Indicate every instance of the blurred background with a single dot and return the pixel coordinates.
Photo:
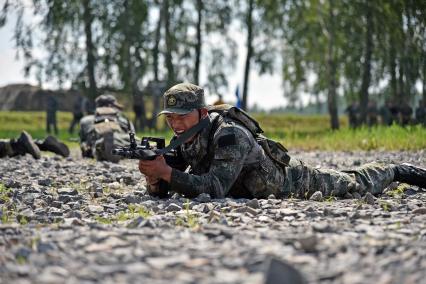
(304, 69)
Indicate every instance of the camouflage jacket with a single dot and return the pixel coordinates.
(225, 160)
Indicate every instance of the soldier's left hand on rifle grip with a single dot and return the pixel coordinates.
(156, 168)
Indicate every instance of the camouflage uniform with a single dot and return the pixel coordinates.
(51, 108)
(102, 131)
(226, 160)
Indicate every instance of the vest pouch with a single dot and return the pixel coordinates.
(274, 150)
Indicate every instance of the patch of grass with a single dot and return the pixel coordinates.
(22, 220)
(398, 191)
(132, 212)
(385, 205)
(103, 220)
(189, 220)
(20, 259)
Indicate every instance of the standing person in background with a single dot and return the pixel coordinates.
(77, 113)
(406, 111)
(137, 109)
(385, 114)
(51, 108)
(353, 114)
(394, 110)
(421, 113)
(372, 113)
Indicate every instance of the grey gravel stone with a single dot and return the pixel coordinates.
(173, 207)
(369, 198)
(67, 191)
(108, 237)
(316, 196)
(254, 203)
(421, 210)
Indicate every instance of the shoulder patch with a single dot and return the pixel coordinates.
(226, 140)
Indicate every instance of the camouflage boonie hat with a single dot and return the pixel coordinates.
(107, 101)
(183, 98)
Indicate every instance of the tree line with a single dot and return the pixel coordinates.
(359, 49)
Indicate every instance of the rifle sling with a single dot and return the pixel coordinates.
(185, 136)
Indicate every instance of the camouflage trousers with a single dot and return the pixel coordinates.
(303, 180)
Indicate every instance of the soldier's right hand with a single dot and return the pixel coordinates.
(151, 180)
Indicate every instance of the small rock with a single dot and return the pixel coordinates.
(173, 207)
(67, 191)
(308, 243)
(254, 203)
(203, 197)
(117, 169)
(421, 210)
(369, 198)
(271, 196)
(278, 271)
(317, 196)
(356, 195)
(45, 182)
(45, 247)
(10, 183)
(95, 208)
(136, 222)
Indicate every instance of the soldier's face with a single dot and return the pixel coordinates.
(180, 123)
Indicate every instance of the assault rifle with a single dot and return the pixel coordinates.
(147, 151)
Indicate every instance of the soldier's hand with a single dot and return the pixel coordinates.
(152, 180)
(156, 168)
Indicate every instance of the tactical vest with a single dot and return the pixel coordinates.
(273, 149)
(107, 120)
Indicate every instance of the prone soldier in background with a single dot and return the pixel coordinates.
(108, 127)
(225, 158)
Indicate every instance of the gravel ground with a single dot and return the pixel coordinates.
(80, 221)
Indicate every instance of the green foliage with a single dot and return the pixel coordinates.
(398, 192)
(133, 211)
(385, 205)
(189, 220)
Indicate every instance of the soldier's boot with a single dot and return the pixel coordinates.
(410, 174)
(104, 148)
(50, 143)
(6, 149)
(25, 144)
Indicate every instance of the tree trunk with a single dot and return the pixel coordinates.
(424, 78)
(131, 80)
(169, 45)
(332, 96)
(249, 54)
(366, 76)
(392, 66)
(199, 43)
(401, 82)
(90, 49)
(155, 54)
